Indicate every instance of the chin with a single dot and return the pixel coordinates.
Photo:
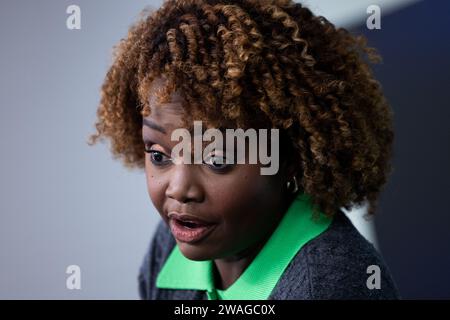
(195, 252)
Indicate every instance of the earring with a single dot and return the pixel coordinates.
(295, 185)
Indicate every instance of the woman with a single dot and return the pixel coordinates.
(227, 231)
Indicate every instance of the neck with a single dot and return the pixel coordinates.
(228, 270)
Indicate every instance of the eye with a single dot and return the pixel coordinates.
(158, 158)
(216, 162)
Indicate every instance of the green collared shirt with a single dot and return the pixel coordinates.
(295, 229)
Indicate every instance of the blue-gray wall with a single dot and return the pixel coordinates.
(63, 202)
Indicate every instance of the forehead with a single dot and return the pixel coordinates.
(173, 113)
(167, 114)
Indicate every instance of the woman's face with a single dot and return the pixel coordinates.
(238, 206)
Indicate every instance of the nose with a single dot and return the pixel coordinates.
(184, 185)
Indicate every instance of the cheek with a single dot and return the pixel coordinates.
(245, 195)
(155, 187)
(247, 204)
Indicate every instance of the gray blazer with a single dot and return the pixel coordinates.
(330, 266)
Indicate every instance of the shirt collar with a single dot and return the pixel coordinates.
(296, 228)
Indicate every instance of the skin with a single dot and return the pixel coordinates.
(246, 205)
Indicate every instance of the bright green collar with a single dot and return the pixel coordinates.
(296, 228)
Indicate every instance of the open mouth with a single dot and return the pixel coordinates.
(189, 231)
(189, 224)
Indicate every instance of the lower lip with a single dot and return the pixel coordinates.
(189, 235)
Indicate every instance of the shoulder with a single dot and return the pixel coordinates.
(159, 249)
(336, 265)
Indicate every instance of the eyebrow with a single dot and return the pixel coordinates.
(154, 126)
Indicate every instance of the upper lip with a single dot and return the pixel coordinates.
(188, 218)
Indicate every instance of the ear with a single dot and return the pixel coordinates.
(290, 162)
(290, 167)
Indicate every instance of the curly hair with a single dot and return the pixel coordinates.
(270, 60)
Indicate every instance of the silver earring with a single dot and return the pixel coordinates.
(295, 185)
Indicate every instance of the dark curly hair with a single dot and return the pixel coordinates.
(267, 61)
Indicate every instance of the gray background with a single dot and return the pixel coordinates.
(63, 202)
